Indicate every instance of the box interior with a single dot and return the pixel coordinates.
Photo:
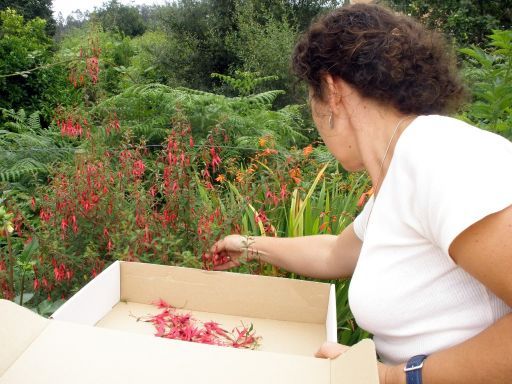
(289, 315)
(277, 336)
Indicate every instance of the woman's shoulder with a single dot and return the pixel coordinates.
(434, 140)
(442, 129)
(459, 175)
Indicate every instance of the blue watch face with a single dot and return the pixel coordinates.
(413, 369)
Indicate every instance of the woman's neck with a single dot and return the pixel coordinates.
(377, 131)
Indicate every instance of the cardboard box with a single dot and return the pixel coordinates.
(95, 336)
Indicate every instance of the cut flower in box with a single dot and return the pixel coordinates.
(98, 337)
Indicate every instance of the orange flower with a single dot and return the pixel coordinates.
(220, 178)
(295, 174)
(267, 152)
(262, 141)
(364, 197)
(307, 150)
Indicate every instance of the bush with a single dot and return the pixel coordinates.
(24, 46)
(467, 21)
(490, 73)
(162, 58)
(263, 44)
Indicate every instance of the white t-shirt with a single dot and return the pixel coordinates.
(444, 176)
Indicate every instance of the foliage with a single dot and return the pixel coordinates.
(244, 83)
(97, 61)
(148, 109)
(30, 9)
(263, 45)
(116, 17)
(27, 151)
(490, 73)
(16, 258)
(467, 21)
(162, 58)
(203, 25)
(23, 45)
(188, 40)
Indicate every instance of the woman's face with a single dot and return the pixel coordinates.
(337, 134)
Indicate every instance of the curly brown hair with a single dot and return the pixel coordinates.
(386, 56)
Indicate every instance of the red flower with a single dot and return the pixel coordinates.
(110, 245)
(45, 215)
(283, 191)
(138, 168)
(174, 325)
(215, 159)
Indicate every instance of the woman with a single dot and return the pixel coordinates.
(430, 255)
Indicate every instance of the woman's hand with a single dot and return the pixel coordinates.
(230, 251)
(330, 350)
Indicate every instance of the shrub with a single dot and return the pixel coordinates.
(490, 73)
(24, 46)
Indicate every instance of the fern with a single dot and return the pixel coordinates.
(264, 98)
(22, 168)
(27, 150)
(147, 111)
(244, 82)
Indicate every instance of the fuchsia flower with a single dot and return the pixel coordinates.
(283, 191)
(45, 215)
(215, 159)
(171, 324)
(138, 168)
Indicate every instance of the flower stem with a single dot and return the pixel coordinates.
(11, 261)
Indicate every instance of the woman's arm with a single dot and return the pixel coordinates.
(318, 256)
(485, 251)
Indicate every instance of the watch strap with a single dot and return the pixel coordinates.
(413, 369)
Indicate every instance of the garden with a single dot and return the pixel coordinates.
(148, 133)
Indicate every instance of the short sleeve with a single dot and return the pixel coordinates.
(361, 220)
(465, 178)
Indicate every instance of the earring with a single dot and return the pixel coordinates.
(330, 121)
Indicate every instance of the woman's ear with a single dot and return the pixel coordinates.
(335, 90)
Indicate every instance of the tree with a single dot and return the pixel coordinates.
(263, 43)
(23, 46)
(203, 25)
(25, 51)
(466, 21)
(117, 17)
(30, 9)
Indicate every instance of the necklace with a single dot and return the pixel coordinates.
(379, 178)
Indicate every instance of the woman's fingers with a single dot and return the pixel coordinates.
(330, 350)
(226, 253)
(218, 246)
(222, 267)
(230, 243)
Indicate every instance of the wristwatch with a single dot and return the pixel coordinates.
(413, 369)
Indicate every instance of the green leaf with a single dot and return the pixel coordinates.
(29, 250)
